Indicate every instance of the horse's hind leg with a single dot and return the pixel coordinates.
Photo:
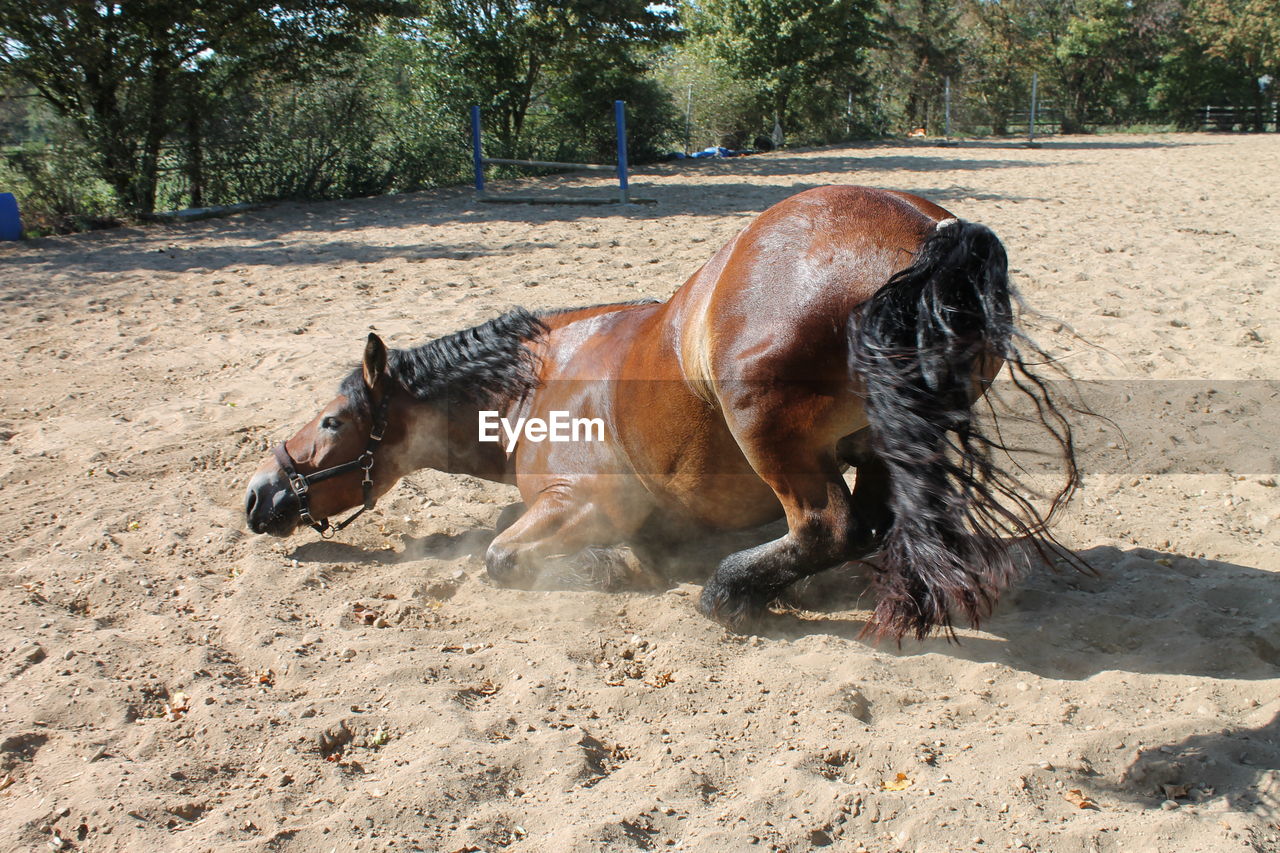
(820, 519)
(872, 515)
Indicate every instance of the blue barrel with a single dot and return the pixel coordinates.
(10, 223)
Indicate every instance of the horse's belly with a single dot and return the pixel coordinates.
(709, 480)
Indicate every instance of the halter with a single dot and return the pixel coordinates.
(300, 484)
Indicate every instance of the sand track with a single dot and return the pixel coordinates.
(149, 370)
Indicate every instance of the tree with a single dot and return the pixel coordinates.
(722, 110)
(1245, 29)
(927, 46)
(116, 69)
(999, 59)
(786, 45)
(1245, 33)
(508, 55)
(1096, 61)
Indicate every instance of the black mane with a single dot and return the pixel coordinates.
(477, 365)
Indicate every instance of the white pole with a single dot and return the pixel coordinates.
(948, 108)
(688, 118)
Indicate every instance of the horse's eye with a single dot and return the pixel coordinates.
(330, 423)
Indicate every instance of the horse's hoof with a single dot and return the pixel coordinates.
(734, 611)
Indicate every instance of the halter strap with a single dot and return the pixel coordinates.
(300, 484)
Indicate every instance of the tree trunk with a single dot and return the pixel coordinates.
(156, 129)
(105, 129)
(1073, 115)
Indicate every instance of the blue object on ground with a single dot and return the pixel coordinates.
(10, 222)
(720, 151)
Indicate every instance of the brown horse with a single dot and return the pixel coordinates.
(844, 327)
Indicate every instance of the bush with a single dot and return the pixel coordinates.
(57, 187)
(582, 124)
(375, 125)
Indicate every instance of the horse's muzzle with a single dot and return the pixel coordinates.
(270, 506)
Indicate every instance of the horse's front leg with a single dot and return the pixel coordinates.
(565, 542)
(827, 524)
(821, 526)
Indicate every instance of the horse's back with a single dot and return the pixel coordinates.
(778, 297)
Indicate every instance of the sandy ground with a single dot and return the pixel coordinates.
(170, 681)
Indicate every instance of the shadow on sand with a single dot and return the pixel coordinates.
(268, 236)
(434, 546)
(1232, 764)
(1145, 611)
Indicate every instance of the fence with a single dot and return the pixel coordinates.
(1227, 119)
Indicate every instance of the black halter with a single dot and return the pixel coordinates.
(300, 484)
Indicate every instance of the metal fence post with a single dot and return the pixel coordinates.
(477, 157)
(947, 98)
(1031, 123)
(688, 121)
(620, 121)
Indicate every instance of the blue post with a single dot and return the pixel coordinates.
(477, 156)
(10, 222)
(620, 120)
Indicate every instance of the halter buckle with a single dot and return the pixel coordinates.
(299, 484)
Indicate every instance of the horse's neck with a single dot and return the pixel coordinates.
(491, 455)
(443, 438)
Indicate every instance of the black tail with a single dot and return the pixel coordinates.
(919, 346)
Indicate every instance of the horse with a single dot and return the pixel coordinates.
(844, 327)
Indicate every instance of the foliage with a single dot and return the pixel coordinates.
(115, 69)
(927, 46)
(1000, 40)
(109, 109)
(57, 188)
(1244, 30)
(510, 55)
(719, 108)
(376, 125)
(789, 48)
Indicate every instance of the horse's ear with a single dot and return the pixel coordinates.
(375, 362)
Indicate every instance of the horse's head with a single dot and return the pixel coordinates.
(347, 456)
(400, 411)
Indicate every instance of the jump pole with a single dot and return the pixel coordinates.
(947, 141)
(479, 161)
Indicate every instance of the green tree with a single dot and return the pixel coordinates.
(366, 122)
(999, 57)
(509, 55)
(787, 46)
(1244, 33)
(1245, 29)
(721, 109)
(116, 69)
(927, 45)
(1097, 56)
